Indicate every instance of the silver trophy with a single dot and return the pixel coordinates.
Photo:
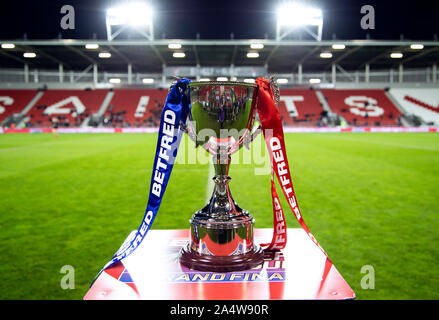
(222, 121)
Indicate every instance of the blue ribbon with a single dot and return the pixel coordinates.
(174, 115)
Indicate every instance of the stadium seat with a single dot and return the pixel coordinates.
(14, 101)
(71, 107)
(135, 107)
(363, 107)
(299, 107)
(423, 102)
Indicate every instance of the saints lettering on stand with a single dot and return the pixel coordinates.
(147, 114)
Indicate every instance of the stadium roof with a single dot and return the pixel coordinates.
(278, 56)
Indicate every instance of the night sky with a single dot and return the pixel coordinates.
(40, 19)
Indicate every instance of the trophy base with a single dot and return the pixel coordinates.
(153, 272)
(222, 244)
(204, 262)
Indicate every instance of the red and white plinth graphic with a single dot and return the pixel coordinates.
(153, 272)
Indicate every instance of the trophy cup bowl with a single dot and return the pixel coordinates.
(221, 120)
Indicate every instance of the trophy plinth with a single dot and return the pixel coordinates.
(221, 119)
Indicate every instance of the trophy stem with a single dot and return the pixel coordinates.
(221, 197)
(221, 164)
(222, 232)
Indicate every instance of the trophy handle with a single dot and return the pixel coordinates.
(252, 136)
(189, 131)
(275, 91)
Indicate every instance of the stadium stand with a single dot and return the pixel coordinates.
(142, 107)
(365, 107)
(14, 101)
(423, 103)
(299, 107)
(71, 107)
(135, 108)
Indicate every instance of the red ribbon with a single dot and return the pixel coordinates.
(272, 129)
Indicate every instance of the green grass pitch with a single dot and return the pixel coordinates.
(369, 198)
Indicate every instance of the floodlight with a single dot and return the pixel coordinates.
(204, 79)
(314, 80)
(8, 46)
(257, 46)
(396, 55)
(91, 46)
(179, 55)
(174, 46)
(104, 55)
(326, 55)
(338, 46)
(249, 80)
(297, 15)
(29, 54)
(148, 80)
(222, 79)
(114, 80)
(252, 55)
(135, 14)
(417, 46)
(294, 16)
(282, 80)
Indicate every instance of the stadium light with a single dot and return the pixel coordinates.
(174, 46)
(233, 79)
(134, 13)
(222, 79)
(326, 55)
(114, 80)
(249, 80)
(396, 55)
(295, 15)
(91, 46)
(137, 15)
(204, 79)
(417, 46)
(29, 54)
(282, 80)
(257, 46)
(8, 46)
(338, 46)
(252, 55)
(179, 55)
(148, 80)
(104, 55)
(314, 80)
